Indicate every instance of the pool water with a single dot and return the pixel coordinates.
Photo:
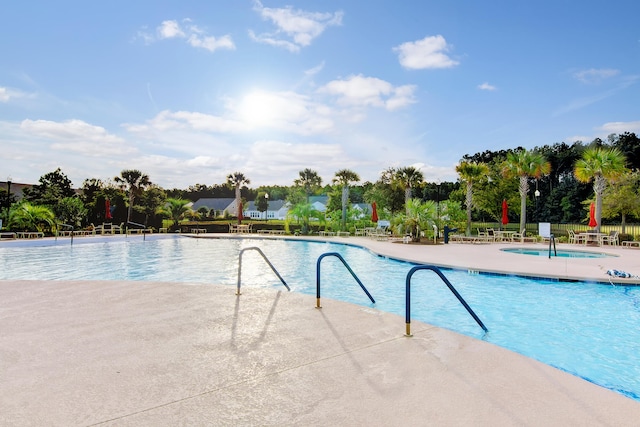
(562, 253)
(587, 329)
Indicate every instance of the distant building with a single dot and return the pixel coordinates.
(216, 206)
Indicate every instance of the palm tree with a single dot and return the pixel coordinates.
(470, 173)
(28, 217)
(309, 180)
(236, 180)
(525, 164)
(133, 182)
(600, 164)
(304, 211)
(344, 177)
(408, 178)
(176, 209)
(419, 216)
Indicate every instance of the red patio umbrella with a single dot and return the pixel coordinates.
(505, 211)
(107, 208)
(592, 215)
(374, 212)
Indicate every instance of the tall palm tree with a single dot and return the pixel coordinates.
(236, 180)
(408, 178)
(470, 173)
(525, 164)
(602, 165)
(133, 182)
(309, 180)
(343, 178)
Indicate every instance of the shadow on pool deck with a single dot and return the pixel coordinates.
(141, 353)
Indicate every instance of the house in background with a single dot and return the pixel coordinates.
(16, 189)
(216, 206)
(319, 203)
(220, 207)
(277, 209)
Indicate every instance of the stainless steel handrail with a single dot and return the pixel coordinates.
(266, 260)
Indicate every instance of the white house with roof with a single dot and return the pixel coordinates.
(216, 206)
(277, 209)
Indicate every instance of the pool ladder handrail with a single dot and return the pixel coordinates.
(552, 239)
(449, 285)
(140, 226)
(337, 255)
(254, 248)
(66, 225)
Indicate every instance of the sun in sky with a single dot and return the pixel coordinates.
(191, 91)
(259, 108)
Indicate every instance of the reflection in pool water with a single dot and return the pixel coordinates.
(590, 330)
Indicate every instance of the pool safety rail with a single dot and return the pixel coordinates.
(555, 252)
(449, 285)
(337, 255)
(63, 226)
(253, 248)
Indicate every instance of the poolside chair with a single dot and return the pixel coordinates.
(609, 239)
(522, 238)
(572, 237)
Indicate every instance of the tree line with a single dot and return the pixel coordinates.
(551, 183)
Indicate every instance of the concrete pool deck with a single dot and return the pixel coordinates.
(151, 353)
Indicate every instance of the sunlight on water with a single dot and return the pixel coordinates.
(590, 330)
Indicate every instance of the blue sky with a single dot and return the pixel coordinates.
(190, 91)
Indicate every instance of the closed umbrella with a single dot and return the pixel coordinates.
(592, 215)
(240, 216)
(107, 208)
(374, 212)
(505, 212)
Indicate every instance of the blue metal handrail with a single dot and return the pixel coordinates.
(552, 239)
(337, 255)
(446, 281)
(267, 261)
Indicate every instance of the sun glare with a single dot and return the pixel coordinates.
(258, 108)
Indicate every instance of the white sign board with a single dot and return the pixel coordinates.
(544, 229)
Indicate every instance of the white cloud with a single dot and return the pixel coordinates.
(486, 86)
(315, 70)
(429, 52)
(169, 30)
(4, 94)
(363, 91)
(76, 136)
(299, 26)
(211, 43)
(167, 120)
(9, 94)
(620, 127)
(593, 75)
(194, 36)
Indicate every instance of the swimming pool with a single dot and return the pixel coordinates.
(562, 253)
(589, 330)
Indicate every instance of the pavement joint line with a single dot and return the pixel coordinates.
(248, 380)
